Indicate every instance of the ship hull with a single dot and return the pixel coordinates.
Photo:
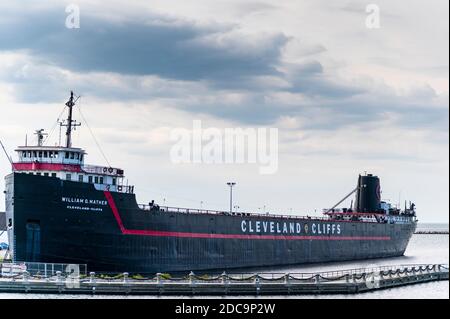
(56, 221)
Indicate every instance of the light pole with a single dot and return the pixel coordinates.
(231, 184)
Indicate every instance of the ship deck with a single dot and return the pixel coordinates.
(340, 217)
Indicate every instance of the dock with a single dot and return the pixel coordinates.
(352, 281)
(431, 232)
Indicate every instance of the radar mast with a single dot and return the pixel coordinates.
(71, 124)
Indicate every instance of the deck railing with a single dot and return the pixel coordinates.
(183, 210)
(227, 213)
(101, 170)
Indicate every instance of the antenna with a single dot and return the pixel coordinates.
(71, 124)
(60, 126)
(40, 136)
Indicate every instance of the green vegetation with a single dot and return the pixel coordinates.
(166, 276)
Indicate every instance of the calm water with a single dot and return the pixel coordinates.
(422, 249)
(432, 227)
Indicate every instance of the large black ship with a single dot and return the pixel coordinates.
(59, 210)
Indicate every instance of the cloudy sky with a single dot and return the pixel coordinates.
(345, 98)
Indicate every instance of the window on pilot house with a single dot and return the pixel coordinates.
(67, 155)
(45, 154)
(68, 177)
(80, 178)
(53, 174)
(90, 179)
(45, 174)
(101, 180)
(40, 153)
(114, 182)
(96, 179)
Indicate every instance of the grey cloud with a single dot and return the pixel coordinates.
(153, 45)
(369, 110)
(255, 7)
(315, 109)
(429, 68)
(309, 78)
(194, 67)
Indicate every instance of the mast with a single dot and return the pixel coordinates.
(40, 137)
(71, 124)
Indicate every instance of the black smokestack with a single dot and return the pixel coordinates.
(368, 195)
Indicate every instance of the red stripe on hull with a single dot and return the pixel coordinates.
(158, 233)
(46, 167)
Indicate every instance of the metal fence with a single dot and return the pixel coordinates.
(41, 269)
(48, 270)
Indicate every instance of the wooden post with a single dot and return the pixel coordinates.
(25, 276)
(287, 279)
(257, 284)
(257, 279)
(191, 278)
(58, 276)
(224, 278)
(92, 277)
(158, 278)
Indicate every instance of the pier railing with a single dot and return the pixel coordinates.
(48, 270)
(342, 281)
(44, 270)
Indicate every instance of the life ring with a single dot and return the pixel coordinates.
(110, 170)
(105, 169)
